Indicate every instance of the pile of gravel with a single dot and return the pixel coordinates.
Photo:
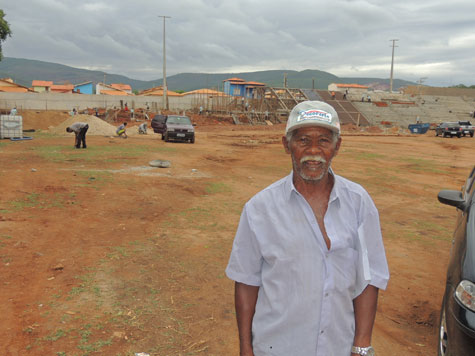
(97, 127)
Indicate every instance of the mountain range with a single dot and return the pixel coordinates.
(24, 71)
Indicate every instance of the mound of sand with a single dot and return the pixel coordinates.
(42, 120)
(97, 127)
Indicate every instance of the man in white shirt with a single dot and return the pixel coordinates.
(308, 257)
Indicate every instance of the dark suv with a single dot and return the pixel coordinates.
(457, 317)
(179, 128)
(449, 129)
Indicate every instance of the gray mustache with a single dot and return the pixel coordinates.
(313, 158)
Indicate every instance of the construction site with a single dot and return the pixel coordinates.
(103, 254)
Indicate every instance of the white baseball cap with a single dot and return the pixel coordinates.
(313, 113)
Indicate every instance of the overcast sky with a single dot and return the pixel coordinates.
(344, 37)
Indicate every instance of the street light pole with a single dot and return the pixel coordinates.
(165, 97)
(392, 66)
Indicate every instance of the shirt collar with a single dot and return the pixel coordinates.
(334, 194)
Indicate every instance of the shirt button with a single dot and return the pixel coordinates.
(321, 332)
(326, 294)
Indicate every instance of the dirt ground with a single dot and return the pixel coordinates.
(101, 254)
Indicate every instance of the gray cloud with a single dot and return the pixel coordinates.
(344, 37)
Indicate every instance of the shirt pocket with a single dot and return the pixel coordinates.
(344, 266)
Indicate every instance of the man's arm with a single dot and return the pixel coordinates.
(365, 312)
(245, 298)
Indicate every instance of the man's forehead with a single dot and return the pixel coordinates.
(313, 130)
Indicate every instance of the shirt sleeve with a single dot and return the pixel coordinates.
(245, 262)
(372, 264)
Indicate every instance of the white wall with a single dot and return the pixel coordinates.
(58, 101)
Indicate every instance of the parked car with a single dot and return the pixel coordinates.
(449, 129)
(158, 124)
(179, 128)
(457, 317)
(467, 128)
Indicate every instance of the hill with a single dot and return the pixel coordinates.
(24, 71)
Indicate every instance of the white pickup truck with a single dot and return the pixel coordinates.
(467, 128)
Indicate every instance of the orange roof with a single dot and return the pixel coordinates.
(205, 91)
(159, 92)
(41, 83)
(7, 85)
(254, 83)
(356, 86)
(149, 90)
(114, 92)
(121, 86)
(234, 80)
(13, 89)
(62, 87)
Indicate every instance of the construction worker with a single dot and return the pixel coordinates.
(143, 128)
(121, 130)
(79, 129)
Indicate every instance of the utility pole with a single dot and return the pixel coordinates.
(392, 67)
(165, 97)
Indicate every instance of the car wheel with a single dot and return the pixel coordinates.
(443, 336)
(459, 135)
(165, 137)
(192, 140)
(471, 135)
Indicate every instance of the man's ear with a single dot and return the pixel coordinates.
(286, 144)
(337, 146)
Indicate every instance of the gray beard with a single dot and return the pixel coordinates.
(306, 178)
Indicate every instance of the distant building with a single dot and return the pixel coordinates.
(158, 91)
(8, 86)
(239, 87)
(106, 89)
(41, 86)
(62, 88)
(124, 87)
(84, 88)
(341, 87)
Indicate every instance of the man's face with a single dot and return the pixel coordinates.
(312, 150)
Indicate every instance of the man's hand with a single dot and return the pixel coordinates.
(245, 298)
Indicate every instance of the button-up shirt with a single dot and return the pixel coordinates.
(305, 301)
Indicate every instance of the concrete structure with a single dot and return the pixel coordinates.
(41, 86)
(385, 109)
(84, 88)
(208, 99)
(437, 91)
(59, 101)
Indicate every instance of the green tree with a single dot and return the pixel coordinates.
(4, 31)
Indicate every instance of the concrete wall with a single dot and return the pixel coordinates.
(424, 90)
(57, 101)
